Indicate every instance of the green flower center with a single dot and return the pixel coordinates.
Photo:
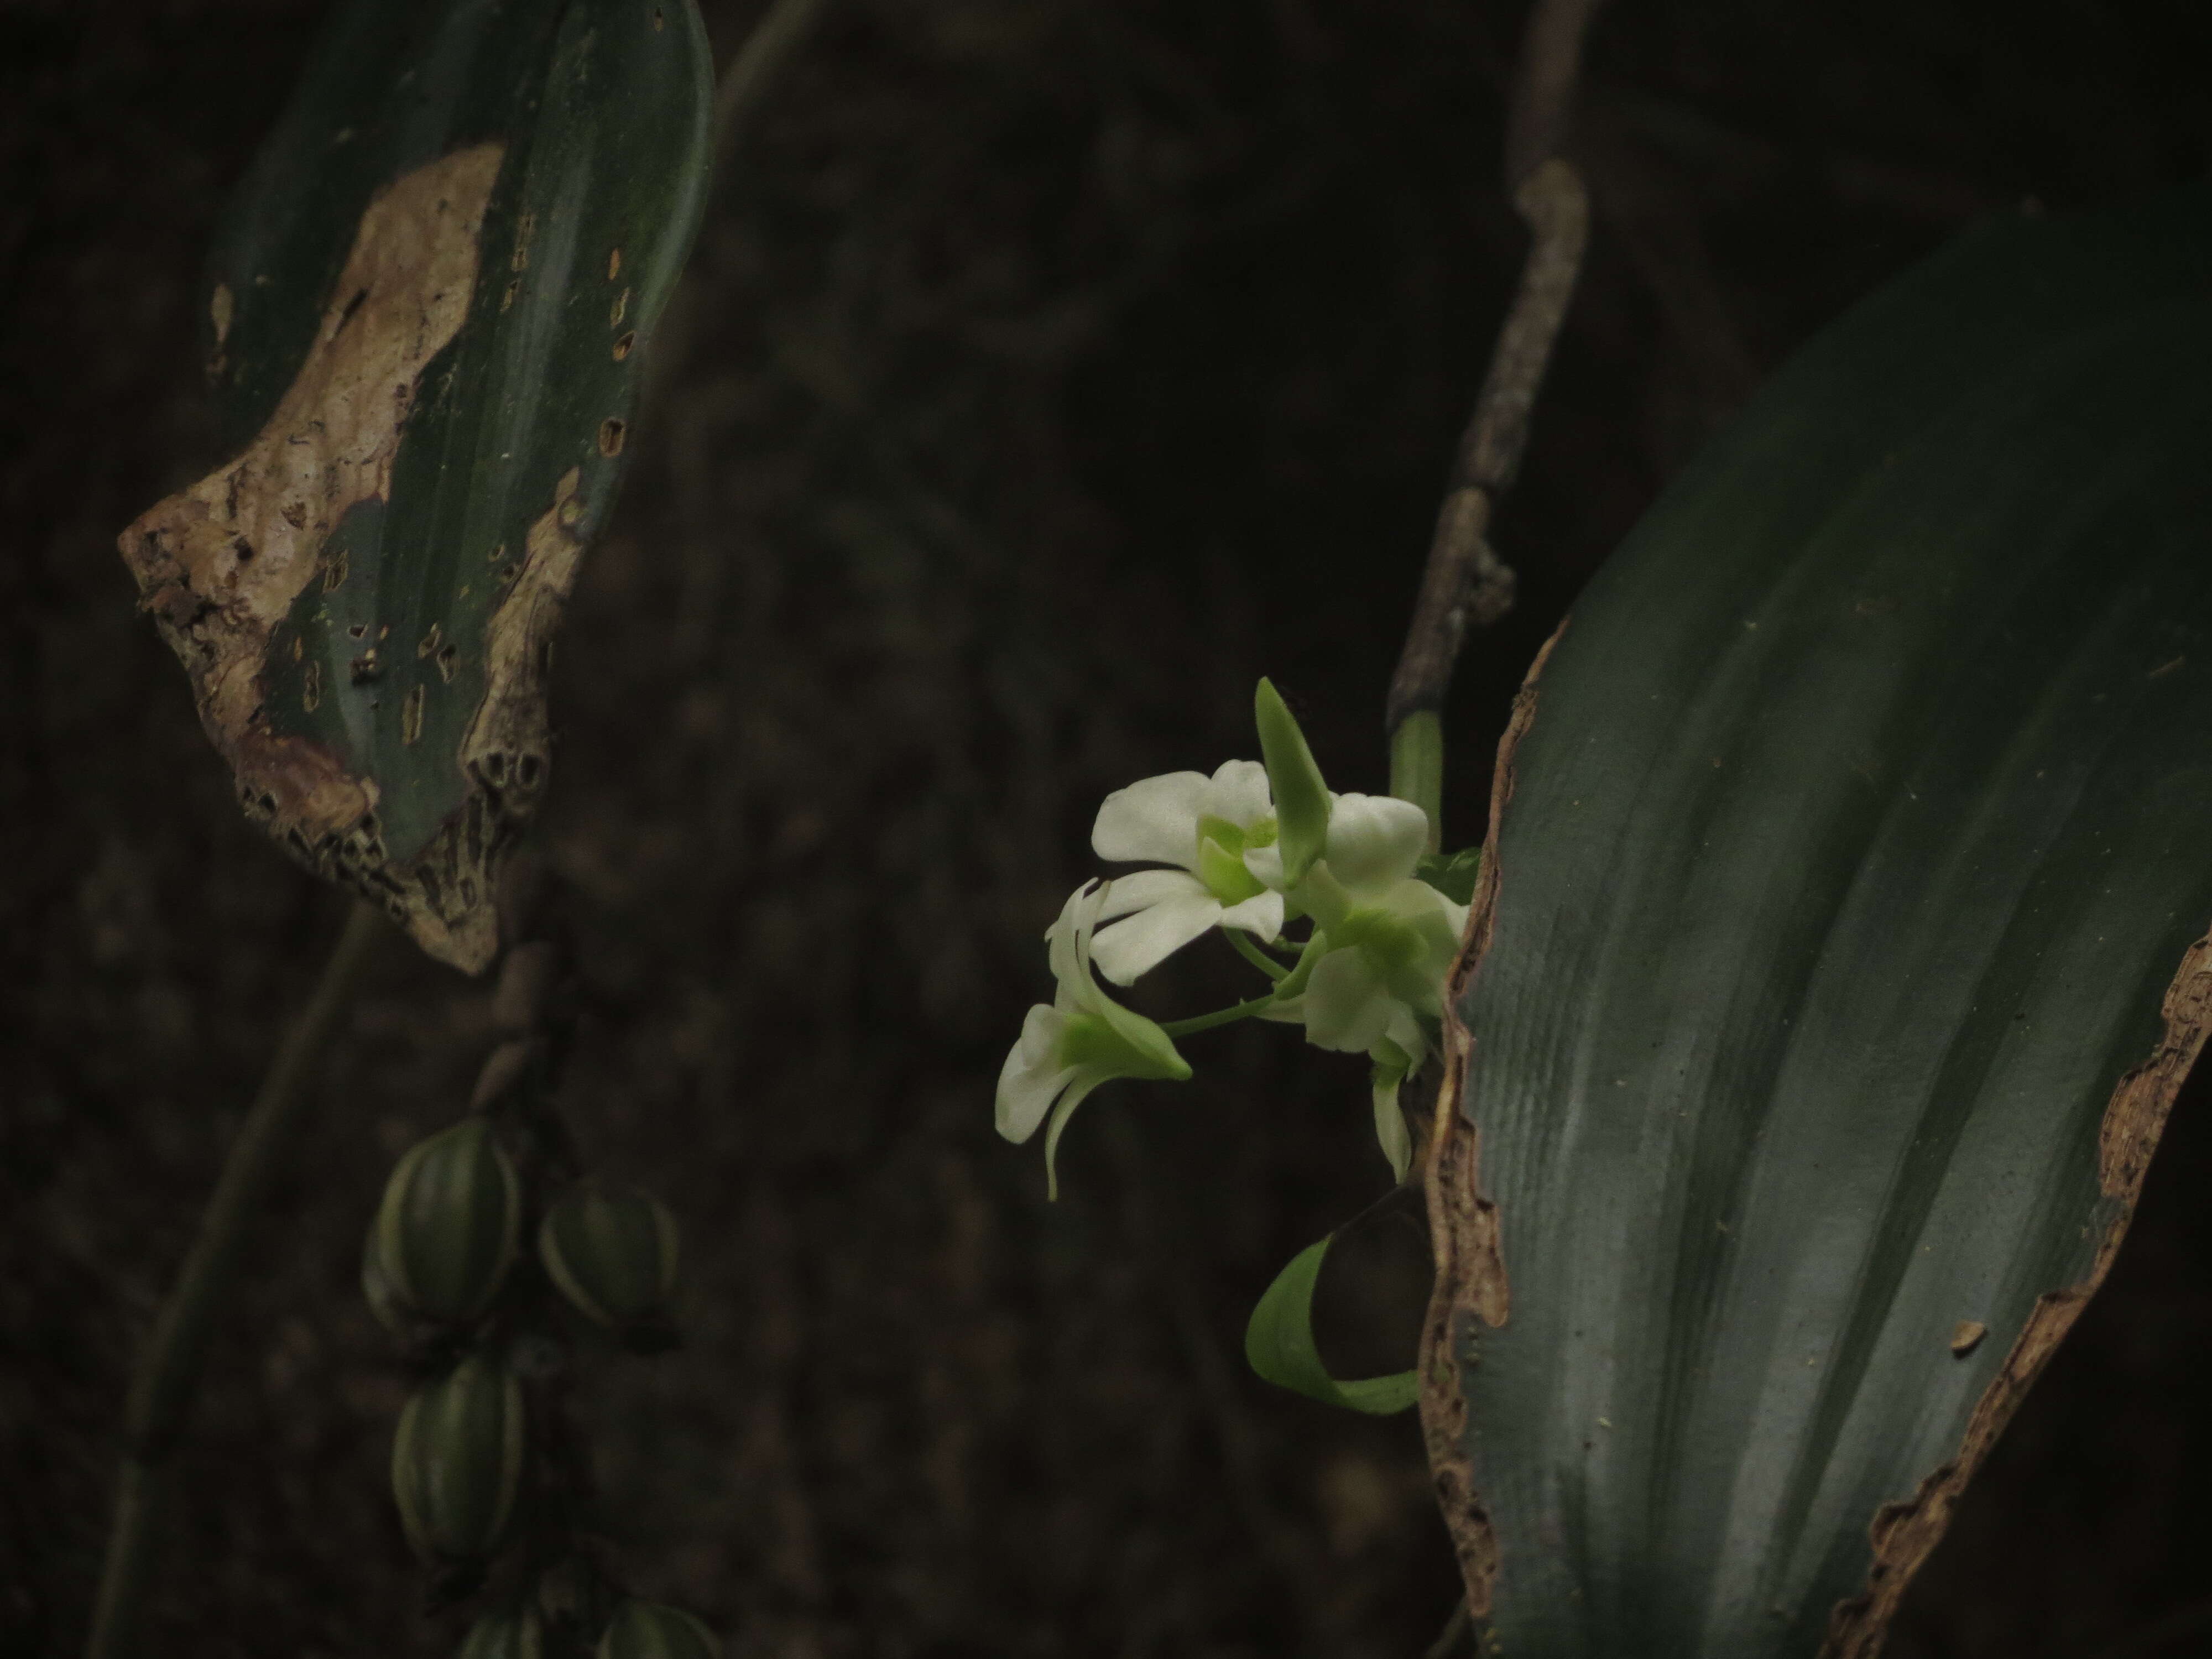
(1221, 847)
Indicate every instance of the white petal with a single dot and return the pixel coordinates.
(1397, 1141)
(1128, 948)
(1346, 1008)
(1141, 889)
(1154, 819)
(1266, 864)
(1261, 914)
(1032, 1076)
(1375, 841)
(1238, 792)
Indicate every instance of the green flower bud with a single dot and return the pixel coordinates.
(612, 1251)
(446, 1231)
(508, 1633)
(645, 1630)
(376, 1289)
(457, 1462)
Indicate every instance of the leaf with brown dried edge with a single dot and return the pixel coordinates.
(1839, 949)
(426, 312)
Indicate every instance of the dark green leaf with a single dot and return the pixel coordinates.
(426, 311)
(1279, 1343)
(1830, 1004)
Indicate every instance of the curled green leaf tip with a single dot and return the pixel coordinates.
(1279, 1344)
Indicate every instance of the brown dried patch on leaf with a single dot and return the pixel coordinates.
(220, 564)
(1904, 1533)
(505, 750)
(505, 753)
(1471, 1283)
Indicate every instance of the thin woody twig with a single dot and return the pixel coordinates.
(1464, 579)
(1544, 86)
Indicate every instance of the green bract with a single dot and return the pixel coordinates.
(646, 1630)
(1301, 797)
(427, 311)
(1842, 956)
(447, 1231)
(611, 1250)
(457, 1462)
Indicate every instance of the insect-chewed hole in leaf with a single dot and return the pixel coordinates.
(241, 549)
(448, 657)
(428, 643)
(622, 346)
(299, 647)
(506, 295)
(610, 436)
(358, 630)
(365, 667)
(311, 686)
(620, 310)
(493, 767)
(497, 554)
(529, 770)
(410, 715)
(614, 263)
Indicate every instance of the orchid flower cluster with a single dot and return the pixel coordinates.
(1253, 851)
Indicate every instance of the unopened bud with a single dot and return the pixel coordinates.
(457, 1462)
(447, 1229)
(376, 1289)
(646, 1630)
(612, 1251)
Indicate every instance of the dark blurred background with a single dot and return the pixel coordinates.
(1048, 370)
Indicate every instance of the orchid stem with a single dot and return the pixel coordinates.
(1183, 1028)
(1252, 953)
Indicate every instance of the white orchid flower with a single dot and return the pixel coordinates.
(1083, 1039)
(1219, 832)
(1373, 980)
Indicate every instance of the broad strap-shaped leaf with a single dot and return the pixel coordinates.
(1840, 950)
(426, 310)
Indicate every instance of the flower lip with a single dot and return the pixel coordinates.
(1084, 1038)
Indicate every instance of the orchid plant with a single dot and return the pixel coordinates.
(1254, 851)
